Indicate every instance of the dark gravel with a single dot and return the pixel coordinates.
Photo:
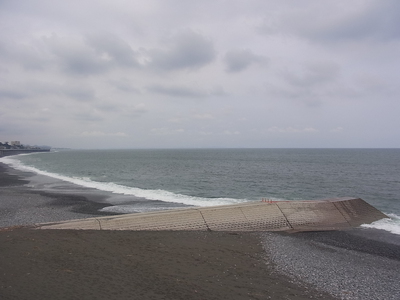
(349, 265)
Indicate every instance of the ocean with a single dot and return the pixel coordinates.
(208, 177)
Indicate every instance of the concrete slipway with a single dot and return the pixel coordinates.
(313, 215)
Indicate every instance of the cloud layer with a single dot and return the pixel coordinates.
(117, 74)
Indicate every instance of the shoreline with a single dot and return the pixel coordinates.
(353, 264)
(8, 152)
(70, 264)
(28, 199)
(40, 264)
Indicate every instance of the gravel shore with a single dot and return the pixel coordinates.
(67, 264)
(64, 264)
(357, 264)
(21, 204)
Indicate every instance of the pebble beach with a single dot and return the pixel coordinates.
(65, 264)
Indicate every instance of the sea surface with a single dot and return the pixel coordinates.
(208, 177)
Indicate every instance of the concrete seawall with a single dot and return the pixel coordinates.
(313, 215)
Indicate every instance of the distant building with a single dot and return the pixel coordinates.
(15, 143)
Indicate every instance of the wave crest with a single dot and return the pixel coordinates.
(391, 224)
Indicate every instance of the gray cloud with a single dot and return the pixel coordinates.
(76, 57)
(80, 93)
(124, 85)
(31, 57)
(93, 117)
(188, 50)
(10, 128)
(365, 20)
(186, 91)
(113, 48)
(74, 72)
(89, 54)
(378, 21)
(177, 91)
(134, 110)
(12, 94)
(239, 60)
(34, 88)
(313, 74)
(102, 134)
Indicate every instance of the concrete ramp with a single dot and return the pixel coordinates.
(313, 215)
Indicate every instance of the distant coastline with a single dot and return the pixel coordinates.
(8, 152)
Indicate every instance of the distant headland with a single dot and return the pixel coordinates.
(15, 147)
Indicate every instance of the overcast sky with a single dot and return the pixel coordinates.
(195, 74)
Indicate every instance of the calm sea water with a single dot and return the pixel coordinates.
(206, 177)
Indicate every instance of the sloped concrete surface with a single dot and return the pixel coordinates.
(313, 215)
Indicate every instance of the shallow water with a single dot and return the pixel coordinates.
(207, 177)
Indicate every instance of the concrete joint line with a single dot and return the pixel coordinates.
(287, 221)
(205, 222)
(243, 214)
(344, 217)
(99, 223)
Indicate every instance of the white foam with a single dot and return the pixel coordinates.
(391, 224)
(128, 209)
(160, 195)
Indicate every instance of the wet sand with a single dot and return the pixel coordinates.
(67, 264)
